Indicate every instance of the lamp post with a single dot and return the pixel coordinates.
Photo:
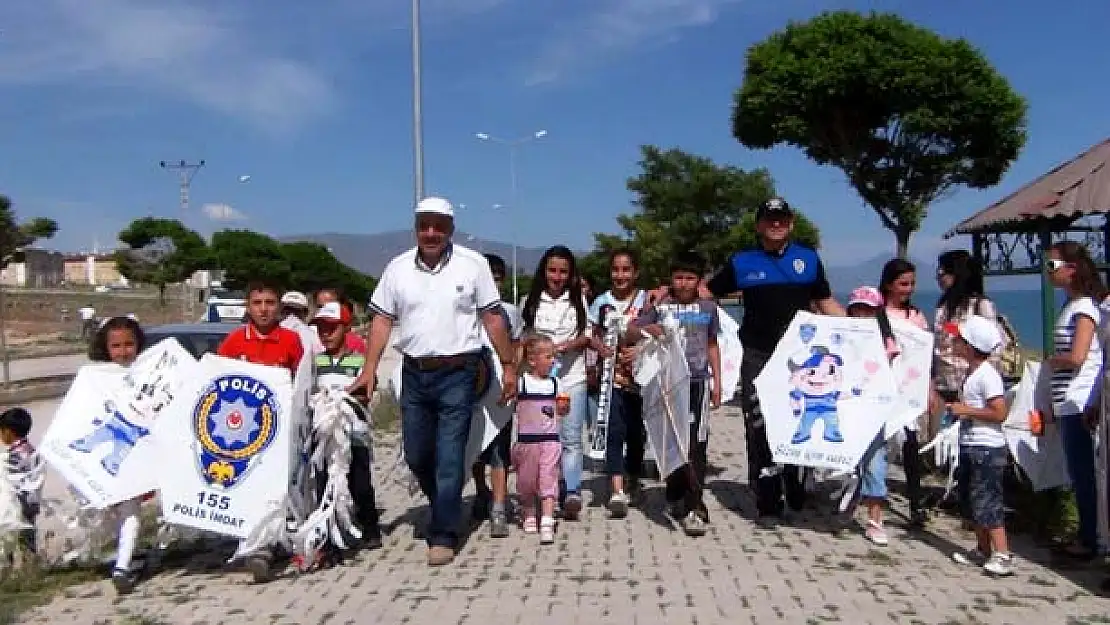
(417, 109)
(513, 145)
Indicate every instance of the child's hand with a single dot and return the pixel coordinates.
(653, 329)
(960, 409)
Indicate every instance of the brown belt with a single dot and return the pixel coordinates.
(432, 363)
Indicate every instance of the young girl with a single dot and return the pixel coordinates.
(554, 308)
(866, 301)
(983, 455)
(626, 418)
(539, 407)
(897, 284)
(119, 340)
(1075, 373)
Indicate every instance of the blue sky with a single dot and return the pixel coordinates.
(312, 100)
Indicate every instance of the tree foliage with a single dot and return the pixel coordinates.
(245, 255)
(160, 252)
(687, 202)
(15, 236)
(906, 114)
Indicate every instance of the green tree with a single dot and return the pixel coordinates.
(245, 255)
(15, 236)
(313, 266)
(906, 114)
(160, 252)
(687, 202)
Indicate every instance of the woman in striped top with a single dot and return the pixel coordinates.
(1075, 373)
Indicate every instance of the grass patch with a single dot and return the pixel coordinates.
(33, 585)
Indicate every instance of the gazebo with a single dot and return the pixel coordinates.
(1069, 202)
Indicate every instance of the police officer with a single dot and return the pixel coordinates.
(775, 280)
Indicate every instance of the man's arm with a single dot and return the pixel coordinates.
(723, 283)
(822, 297)
(378, 338)
(715, 366)
(498, 334)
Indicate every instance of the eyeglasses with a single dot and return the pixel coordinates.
(1055, 264)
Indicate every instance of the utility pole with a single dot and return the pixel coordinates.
(185, 173)
(417, 108)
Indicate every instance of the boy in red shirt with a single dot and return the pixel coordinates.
(261, 340)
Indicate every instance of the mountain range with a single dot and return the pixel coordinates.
(369, 253)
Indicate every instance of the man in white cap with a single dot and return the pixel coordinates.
(439, 295)
(294, 308)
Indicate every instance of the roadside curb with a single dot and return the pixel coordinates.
(38, 389)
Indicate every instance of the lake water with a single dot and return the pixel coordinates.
(1022, 308)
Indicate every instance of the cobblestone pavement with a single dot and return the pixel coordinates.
(640, 570)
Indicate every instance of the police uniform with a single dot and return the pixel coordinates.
(774, 286)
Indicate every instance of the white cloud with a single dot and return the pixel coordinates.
(615, 27)
(222, 212)
(203, 55)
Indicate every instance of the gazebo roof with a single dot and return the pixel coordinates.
(1078, 187)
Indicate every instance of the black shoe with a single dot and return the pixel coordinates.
(124, 581)
(260, 567)
(918, 518)
(372, 538)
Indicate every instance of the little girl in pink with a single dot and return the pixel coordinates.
(537, 451)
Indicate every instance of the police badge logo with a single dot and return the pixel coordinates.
(234, 422)
(799, 265)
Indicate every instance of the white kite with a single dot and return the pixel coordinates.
(664, 379)
(1041, 457)
(826, 391)
(732, 353)
(226, 448)
(911, 372)
(100, 439)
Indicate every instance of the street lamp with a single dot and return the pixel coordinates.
(512, 144)
(417, 109)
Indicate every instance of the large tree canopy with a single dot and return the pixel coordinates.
(906, 114)
(160, 252)
(15, 236)
(687, 202)
(245, 255)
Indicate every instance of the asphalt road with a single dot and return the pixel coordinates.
(31, 368)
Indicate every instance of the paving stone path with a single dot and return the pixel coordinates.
(640, 570)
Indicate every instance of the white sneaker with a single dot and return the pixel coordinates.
(970, 557)
(877, 534)
(547, 531)
(618, 505)
(999, 565)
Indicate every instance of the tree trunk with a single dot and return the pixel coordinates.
(161, 295)
(902, 236)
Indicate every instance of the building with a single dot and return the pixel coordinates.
(92, 269)
(38, 269)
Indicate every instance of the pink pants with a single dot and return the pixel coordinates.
(537, 470)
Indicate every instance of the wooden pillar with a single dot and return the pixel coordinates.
(1048, 300)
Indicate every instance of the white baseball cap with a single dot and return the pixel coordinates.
(981, 333)
(435, 206)
(295, 298)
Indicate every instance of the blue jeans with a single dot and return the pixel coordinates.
(873, 470)
(982, 471)
(570, 435)
(1079, 452)
(436, 408)
(626, 426)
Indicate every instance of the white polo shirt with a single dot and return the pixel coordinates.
(438, 310)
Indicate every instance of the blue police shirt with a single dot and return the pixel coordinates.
(774, 287)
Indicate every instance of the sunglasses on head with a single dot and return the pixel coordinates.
(1055, 264)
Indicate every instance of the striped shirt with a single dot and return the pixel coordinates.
(1071, 388)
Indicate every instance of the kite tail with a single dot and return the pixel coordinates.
(946, 450)
(334, 419)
